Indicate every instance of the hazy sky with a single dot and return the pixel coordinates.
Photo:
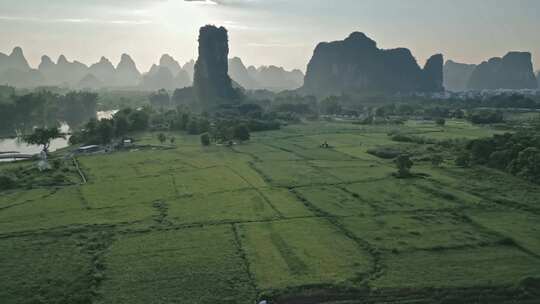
(279, 32)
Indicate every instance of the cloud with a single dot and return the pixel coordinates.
(237, 3)
(74, 20)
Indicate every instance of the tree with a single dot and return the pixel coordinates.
(405, 109)
(205, 139)
(78, 107)
(241, 132)
(162, 138)
(331, 106)
(193, 126)
(527, 164)
(183, 97)
(139, 120)
(481, 149)
(440, 121)
(404, 165)
(105, 131)
(121, 125)
(43, 137)
(160, 99)
(463, 159)
(459, 114)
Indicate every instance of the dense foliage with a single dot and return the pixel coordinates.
(43, 137)
(227, 127)
(518, 154)
(44, 108)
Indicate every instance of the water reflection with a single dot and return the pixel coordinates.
(15, 145)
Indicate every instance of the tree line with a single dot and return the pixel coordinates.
(515, 153)
(41, 108)
(214, 128)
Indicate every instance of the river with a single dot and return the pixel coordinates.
(15, 145)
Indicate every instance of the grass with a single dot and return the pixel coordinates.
(419, 231)
(301, 252)
(463, 268)
(285, 203)
(126, 192)
(199, 265)
(13, 198)
(44, 270)
(334, 201)
(393, 194)
(247, 205)
(522, 227)
(276, 216)
(67, 209)
(293, 173)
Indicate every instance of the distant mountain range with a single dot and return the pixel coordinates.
(357, 65)
(271, 78)
(514, 71)
(168, 74)
(354, 64)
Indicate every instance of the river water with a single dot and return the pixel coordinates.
(15, 145)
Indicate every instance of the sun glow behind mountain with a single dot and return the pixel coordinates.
(277, 32)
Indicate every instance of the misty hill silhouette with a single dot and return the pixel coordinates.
(127, 73)
(271, 77)
(457, 75)
(212, 85)
(513, 71)
(356, 64)
(168, 74)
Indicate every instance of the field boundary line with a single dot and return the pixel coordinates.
(258, 192)
(512, 242)
(30, 200)
(243, 256)
(76, 163)
(377, 268)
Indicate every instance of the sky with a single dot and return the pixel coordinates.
(266, 32)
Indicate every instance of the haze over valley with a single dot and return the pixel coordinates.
(269, 152)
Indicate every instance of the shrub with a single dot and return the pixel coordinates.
(56, 164)
(531, 284)
(404, 165)
(440, 121)
(162, 138)
(241, 132)
(7, 182)
(463, 160)
(205, 139)
(413, 139)
(59, 178)
(486, 117)
(436, 160)
(385, 152)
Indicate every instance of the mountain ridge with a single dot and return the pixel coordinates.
(103, 74)
(356, 64)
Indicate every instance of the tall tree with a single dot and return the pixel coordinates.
(43, 137)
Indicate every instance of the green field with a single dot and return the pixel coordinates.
(275, 218)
